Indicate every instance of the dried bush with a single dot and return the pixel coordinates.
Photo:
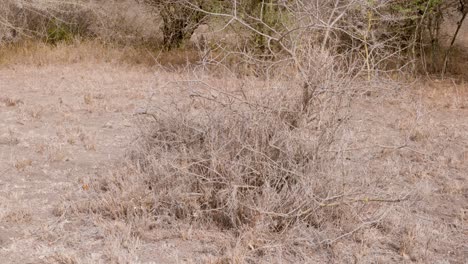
(246, 159)
(127, 23)
(51, 21)
(123, 22)
(381, 36)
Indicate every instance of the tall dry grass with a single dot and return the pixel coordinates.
(93, 51)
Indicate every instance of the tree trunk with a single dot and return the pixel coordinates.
(464, 11)
(179, 23)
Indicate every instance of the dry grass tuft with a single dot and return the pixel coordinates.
(247, 157)
(59, 258)
(21, 165)
(92, 51)
(11, 102)
(18, 216)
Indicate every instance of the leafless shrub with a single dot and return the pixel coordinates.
(46, 20)
(261, 159)
(259, 162)
(380, 36)
(123, 22)
(127, 23)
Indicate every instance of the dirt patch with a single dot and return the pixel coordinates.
(60, 126)
(65, 130)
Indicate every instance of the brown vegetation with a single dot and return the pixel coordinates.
(285, 131)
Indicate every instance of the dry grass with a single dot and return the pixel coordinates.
(10, 102)
(241, 160)
(279, 182)
(227, 169)
(93, 51)
(61, 32)
(250, 171)
(123, 22)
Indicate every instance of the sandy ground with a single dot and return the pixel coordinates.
(417, 141)
(60, 126)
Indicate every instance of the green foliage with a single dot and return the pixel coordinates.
(415, 9)
(416, 29)
(415, 19)
(270, 16)
(180, 19)
(58, 31)
(266, 18)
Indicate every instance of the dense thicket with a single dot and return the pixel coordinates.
(386, 34)
(397, 34)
